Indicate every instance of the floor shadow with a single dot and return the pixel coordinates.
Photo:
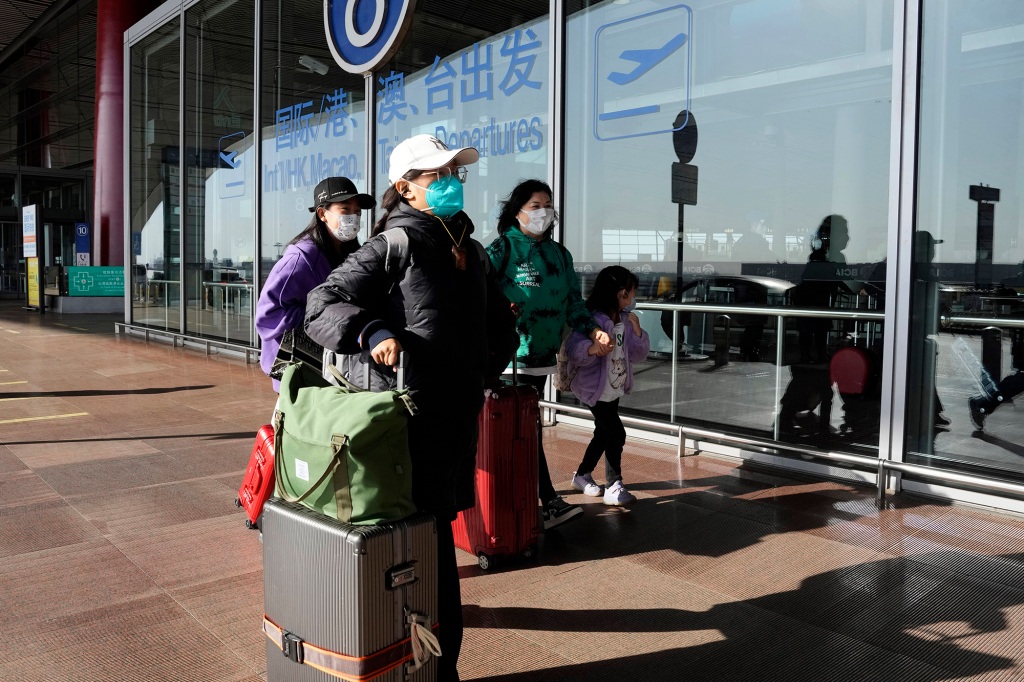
(710, 516)
(204, 436)
(891, 619)
(1015, 448)
(101, 392)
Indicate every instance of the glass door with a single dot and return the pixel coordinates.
(220, 185)
(12, 265)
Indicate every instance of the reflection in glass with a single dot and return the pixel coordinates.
(155, 205)
(473, 82)
(219, 187)
(312, 124)
(967, 333)
(728, 216)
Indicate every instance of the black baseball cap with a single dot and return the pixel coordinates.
(338, 188)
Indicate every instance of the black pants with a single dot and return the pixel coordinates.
(1009, 388)
(609, 439)
(449, 604)
(546, 490)
(444, 461)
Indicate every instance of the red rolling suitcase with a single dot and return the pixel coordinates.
(258, 484)
(504, 521)
(850, 370)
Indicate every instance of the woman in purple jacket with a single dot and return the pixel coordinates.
(602, 376)
(325, 243)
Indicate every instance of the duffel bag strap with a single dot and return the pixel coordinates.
(351, 668)
(406, 399)
(338, 444)
(342, 381)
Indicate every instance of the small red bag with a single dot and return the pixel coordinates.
(258, 484)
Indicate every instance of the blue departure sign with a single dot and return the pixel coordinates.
(363, 34)
(642, 73)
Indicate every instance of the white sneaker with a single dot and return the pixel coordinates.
(585, 484)
(617, 496)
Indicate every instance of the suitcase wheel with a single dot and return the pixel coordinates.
(250, 525)
(529, 552)
(238, 502)
(486, 562)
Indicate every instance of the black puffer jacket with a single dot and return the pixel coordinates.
(436, 311)
(438, 314)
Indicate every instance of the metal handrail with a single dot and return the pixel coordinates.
(771, 447)
(707, 436)
(993, 484)
(775, 311)
(1015, 323)
(186, 339)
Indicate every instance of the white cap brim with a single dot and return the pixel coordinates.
(463, 156)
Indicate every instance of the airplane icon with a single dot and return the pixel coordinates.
(646, 60)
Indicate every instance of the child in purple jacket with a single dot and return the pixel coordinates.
(325, 243)
(601, 377)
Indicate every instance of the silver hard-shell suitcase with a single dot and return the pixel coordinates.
(351, 591)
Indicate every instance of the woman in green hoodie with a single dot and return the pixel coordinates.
(537, 276)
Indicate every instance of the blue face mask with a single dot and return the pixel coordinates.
(631, 306)
(444, 196)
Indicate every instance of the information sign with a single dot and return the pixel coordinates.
(96, 281)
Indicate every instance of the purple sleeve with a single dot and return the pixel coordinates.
(282, 302)
(637, 346)
(576, 348)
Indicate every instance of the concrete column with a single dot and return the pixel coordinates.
(113, 18)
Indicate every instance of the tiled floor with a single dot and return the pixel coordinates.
(122, 556)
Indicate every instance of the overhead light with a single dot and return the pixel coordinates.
(314, 65)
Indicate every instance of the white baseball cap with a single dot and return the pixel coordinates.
(426, 152)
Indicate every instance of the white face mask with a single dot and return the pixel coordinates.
(540, 220)
(348, 226)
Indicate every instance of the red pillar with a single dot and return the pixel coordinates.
(113, 18)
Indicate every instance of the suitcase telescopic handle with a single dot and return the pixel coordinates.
(402, 359)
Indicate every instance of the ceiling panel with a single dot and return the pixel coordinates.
(16, 16)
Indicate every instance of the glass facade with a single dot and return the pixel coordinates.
(218, 184)
(46, 138)
(743, 158)
(312, 123)
(154, 171)
(783, 118)
(967, 342)
(474, 83)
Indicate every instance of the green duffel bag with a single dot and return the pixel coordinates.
(342, 451)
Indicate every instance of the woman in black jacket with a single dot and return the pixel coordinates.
(430, 301)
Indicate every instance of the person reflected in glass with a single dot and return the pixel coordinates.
(1012, 385)
(810, 387)
(536, 274)
(332, 234)
(432, 306)
(753, 251)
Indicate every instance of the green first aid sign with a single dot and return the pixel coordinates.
(96, 281)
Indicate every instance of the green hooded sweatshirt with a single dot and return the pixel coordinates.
(539, 278)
